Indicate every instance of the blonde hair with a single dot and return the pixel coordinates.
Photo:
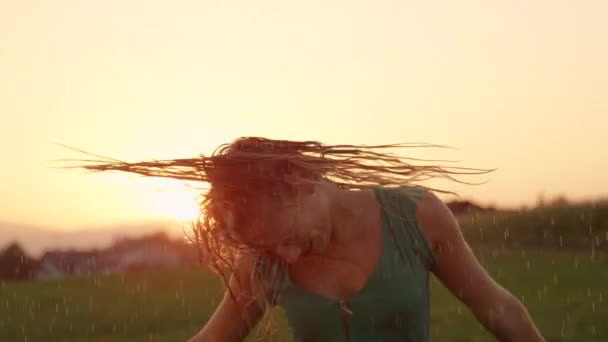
(254, 166)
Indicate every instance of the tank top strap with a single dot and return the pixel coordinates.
(399, 206)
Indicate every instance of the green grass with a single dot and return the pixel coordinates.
(564, 292)
(145, 306)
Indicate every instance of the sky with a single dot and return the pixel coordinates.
(516, 86)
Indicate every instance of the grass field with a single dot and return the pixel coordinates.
(564, 292)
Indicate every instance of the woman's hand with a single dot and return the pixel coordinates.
(458, 269)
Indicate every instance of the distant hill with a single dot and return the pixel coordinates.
(467, 207)
(582, 226)
(561, 224)
(35, 240)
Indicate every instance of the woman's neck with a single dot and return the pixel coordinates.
(352, 212)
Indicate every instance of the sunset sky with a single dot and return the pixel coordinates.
(520, 86)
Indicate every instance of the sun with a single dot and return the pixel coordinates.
(171, 199)
(180, 206)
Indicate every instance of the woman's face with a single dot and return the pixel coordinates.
(286, 227)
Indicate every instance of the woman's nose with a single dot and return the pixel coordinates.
(290, 254)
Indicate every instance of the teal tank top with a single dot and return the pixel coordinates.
(394, 303)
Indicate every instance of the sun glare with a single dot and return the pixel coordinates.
(171, 199)
(180, 206)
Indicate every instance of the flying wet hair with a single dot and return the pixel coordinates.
(251, 169)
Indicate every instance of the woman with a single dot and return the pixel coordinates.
(338, 236)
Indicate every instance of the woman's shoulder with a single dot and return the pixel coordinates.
(436, 219)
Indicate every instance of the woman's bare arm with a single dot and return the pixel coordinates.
(459, 270)
(233, 319)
